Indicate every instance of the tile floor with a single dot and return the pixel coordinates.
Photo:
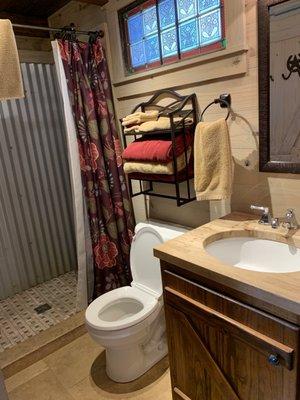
(19, 320)
(77, 372)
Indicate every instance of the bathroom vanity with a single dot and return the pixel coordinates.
(233, 333)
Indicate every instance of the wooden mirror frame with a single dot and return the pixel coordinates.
(265, 163)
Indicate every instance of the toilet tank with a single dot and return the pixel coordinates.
(145, 267)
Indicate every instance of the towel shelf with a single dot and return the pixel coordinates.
(177, 107)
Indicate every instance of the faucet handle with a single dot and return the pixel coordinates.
(266, 216)
(275, 223)
(290, 221)
(290, 212)
(263, 209)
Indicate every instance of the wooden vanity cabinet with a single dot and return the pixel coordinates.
(222, 349)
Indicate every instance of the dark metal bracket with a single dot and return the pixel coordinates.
(177, 107)
(225, 98)
(225, 102)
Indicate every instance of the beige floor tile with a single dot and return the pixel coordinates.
(154, 385)
(36, 348)
(45, 386)
(77, 372)
(72, 363)
(25, 375)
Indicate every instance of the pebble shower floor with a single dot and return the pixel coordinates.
(18, 318)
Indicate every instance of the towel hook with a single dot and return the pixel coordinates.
(225, 102)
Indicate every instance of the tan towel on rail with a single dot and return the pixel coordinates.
(11, 85)
(213, 163)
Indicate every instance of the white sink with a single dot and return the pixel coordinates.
(255, 254)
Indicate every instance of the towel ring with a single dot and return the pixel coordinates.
(218, 101)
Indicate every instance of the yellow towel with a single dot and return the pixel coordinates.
(213, 165)
(131, 128)
(157, 168)
(153, 113)
(11, 85)
(161, 124)
(139, 118)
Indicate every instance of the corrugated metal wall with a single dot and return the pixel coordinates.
(36, 218)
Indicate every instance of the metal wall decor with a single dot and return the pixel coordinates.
(293, 65)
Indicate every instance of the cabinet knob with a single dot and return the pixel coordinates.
(273, 359)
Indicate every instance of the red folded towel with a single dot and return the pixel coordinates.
(156, 150)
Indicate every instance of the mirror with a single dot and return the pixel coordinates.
(279, 85)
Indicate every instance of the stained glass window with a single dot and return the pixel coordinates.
(157, 32)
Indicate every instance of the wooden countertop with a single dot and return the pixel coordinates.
(276, 293)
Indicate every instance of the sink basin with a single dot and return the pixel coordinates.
(256, 254)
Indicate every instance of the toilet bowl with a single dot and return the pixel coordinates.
(129, 321)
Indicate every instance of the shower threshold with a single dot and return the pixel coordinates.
(20, 318)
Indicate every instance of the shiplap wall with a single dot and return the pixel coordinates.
(236, 74)
(36, 223)
(34, 49)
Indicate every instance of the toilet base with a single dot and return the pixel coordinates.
(125, 365)
(132, 351)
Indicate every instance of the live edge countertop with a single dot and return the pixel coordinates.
(278, 294)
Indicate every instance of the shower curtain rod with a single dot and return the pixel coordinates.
(44, 28)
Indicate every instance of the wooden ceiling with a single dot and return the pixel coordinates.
(34, 12)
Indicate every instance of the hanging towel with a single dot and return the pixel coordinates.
(11, 85)
(157, 168)
(139, 117)
(157, 149)
(213, 165)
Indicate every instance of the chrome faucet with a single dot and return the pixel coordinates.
(266, 217)
(290, 221)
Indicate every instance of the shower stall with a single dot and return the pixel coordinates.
(36, 223)
(37, 239)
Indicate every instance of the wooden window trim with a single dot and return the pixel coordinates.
(137, 6)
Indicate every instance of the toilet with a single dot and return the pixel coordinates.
(129, 321)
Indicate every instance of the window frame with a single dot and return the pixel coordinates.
(137, 6)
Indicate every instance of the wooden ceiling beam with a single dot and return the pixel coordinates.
(26, 20)
(96, 2)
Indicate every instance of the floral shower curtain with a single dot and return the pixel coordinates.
(109, 210)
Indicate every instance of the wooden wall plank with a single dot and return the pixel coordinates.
(278, 191)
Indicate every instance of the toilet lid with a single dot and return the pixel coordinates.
(145, 267)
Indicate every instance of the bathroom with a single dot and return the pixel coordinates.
(160, 290)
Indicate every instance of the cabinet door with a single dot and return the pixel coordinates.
(213, 357)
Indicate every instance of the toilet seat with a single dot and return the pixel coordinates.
(145, 268)
(108, 312)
